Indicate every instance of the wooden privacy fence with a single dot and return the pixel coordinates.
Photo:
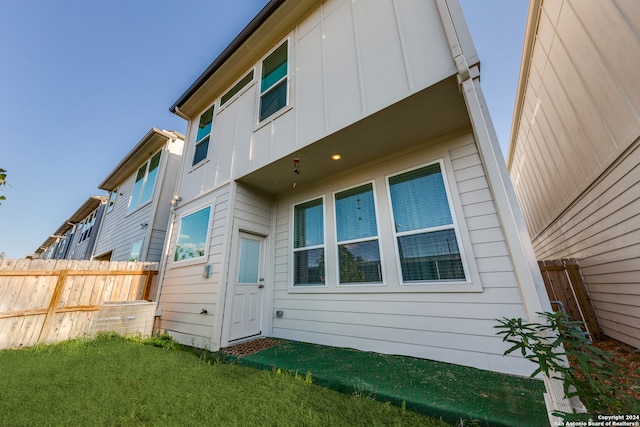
(564, 284)
(47, 301)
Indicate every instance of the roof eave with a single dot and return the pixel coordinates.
(244, 35)
(148, 145)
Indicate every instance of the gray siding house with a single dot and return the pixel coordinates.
(141, 188)
(76, 238)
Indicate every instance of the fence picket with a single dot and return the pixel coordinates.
(48, 301)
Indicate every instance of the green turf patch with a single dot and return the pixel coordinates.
(442, 390)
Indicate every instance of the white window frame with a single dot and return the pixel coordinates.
(132, 208)
(323, 246)
(453, 226)
(133, 245)
(113, 196)
(198, 142)
(240, 92)
(286, 79)
(377, 237)
(87, 226)
(195, 260)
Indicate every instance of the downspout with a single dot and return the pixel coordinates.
(531, 285)
(530, 278)
(164, 259)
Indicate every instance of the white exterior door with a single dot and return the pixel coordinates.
(246, 311)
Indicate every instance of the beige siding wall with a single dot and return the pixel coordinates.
(573, 157)
(450, 323)
(602, 230)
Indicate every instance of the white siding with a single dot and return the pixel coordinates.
(347, 60)
(120, 229)
(185, 292)
(442, 325)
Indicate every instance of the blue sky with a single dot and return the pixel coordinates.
(82, 82)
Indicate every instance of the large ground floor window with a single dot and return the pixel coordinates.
(416, 208)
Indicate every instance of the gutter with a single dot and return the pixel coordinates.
(531, 30)
(255, 23)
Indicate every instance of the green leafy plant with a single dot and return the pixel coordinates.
(591, 373)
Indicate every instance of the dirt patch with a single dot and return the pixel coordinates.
(628, 358)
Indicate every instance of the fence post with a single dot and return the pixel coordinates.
(51, 312)
(584, 302)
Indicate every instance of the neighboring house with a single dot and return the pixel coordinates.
(75, 238)
(141, 188)
(574, 156)
(342, 184)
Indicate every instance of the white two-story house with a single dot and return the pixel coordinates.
(342, 184)
(141, 188)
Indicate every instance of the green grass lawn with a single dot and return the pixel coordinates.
(110, 381)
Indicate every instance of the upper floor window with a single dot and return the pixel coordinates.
(424, 230)
(87, 226)
(145, 182)
(308, 243)
(231, 93)
(112, 200)
(202, 138)
(273, 86)
(357, 236)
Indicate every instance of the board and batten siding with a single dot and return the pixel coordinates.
(347, 60)
(455, 326)
(573, 157)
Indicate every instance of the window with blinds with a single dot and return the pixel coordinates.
(308, 244)
(357, 236)
(425, 234)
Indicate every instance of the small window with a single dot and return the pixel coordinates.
(192, 235)
(425, 234)
(145, 182)
(273, 86)
(87, 226)
(202, 138)
(357, 231)
(308, 244)
(112, 200)
(136, 248)
(237, 88)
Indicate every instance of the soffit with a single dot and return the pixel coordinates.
(434, 112)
